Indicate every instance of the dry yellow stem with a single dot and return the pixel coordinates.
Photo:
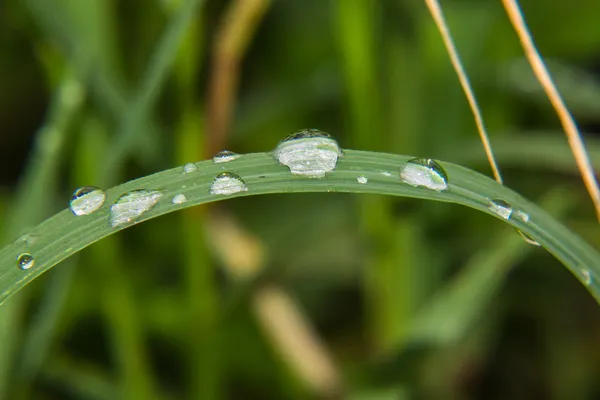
(541, 72)
(438, 17)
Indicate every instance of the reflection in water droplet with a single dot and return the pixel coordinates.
(501, 208)
(25, 261)
(527, 238)
(310, 153)
(179, 198)
(86, 200)
(130, 206)
(225, 156)
(189, 168)
(425, 172)
(227, 183)
(362, 179)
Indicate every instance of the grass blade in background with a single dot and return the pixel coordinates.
(148, 89)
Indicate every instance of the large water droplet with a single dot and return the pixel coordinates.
(425, 172)
(86, 200)
(227, 183)
(362, 179)
(309, 152)
(179, 198)
(25, 261)
(501, 208)
(189, 168)
(130, 206)
(225, 156)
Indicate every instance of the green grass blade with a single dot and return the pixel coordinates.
(148, 89)
(64, 234)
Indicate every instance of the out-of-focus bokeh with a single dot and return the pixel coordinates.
(295, 296)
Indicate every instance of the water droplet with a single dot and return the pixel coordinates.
(189, 168)
(227, 183)
(225, 156)
(501, 208)
(310, 153)
(425, 172)
(25, 261)
(522, 215)
(130, 206)
(587, 276)
(179, 198)
(86, 200)
(386, 173)
(527, 238)
(362, 179)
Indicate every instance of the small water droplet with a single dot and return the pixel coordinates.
(587, 276)
(86, 200)
(527, 238)
(309, 152)
(25, 261)
(522, 215)
(189, 168)
(362, 179)
(225, 156)
(130, 206)
(179, 198)
(227, 183)
(425, 172)
(386, 173)
(501, 208)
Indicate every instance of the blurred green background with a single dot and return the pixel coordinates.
(294, 296)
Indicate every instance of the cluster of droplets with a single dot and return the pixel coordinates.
(308, 153)
(505, 210)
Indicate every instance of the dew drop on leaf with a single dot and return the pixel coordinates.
(425, 172)
(86, 200)
(501, 208)
(227, 183)
(225, 156)
(131, 205)
(179, 198)
(362, 179)
(309, 152)
(189, 168)
(587, 276)
(25, 261)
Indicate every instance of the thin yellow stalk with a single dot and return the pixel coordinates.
(235, 32)
(438, 17)
(541, 72)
